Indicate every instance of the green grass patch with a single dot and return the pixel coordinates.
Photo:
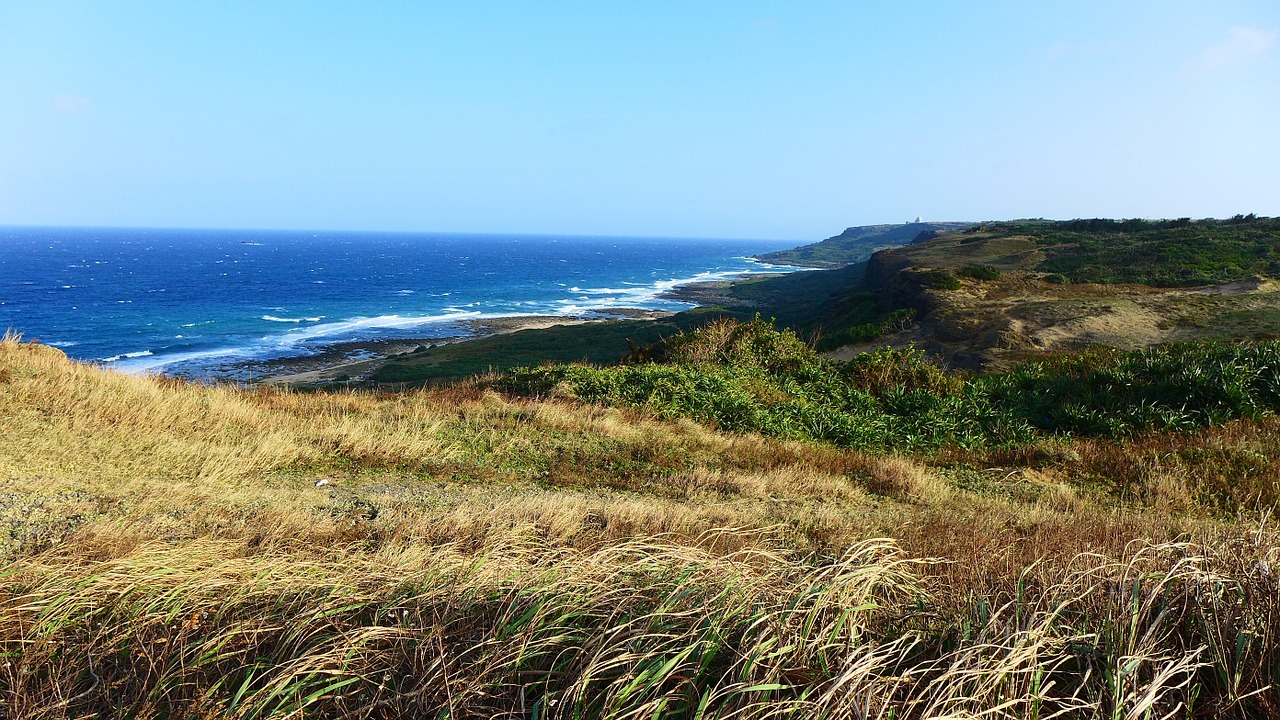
(598, 343)
(1160, 253)
(751, 377)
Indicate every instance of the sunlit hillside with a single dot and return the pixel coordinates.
(180, 550)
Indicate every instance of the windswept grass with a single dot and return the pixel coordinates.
(638, 629)
(749, 377)
(175, 550)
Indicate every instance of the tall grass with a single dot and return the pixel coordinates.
(168, 553)
(749, 377)
(638, 629)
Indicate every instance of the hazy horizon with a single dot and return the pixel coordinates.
(721, 120)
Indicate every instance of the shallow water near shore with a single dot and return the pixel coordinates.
(197, 302)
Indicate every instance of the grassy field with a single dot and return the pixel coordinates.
(1159, 253)
(177, 550)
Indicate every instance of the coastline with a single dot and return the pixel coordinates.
(355, 361)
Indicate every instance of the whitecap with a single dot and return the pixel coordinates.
(128, 356)
(154, 363)
(381, 322)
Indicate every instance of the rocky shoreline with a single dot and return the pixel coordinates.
(355, 361)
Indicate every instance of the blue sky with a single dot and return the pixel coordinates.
(690, 119)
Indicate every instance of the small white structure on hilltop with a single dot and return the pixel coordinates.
(919, 219)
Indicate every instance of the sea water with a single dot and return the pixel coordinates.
(193, 302)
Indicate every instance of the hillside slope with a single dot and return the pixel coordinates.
(984, 295)
(856, 244)
(997, 293)
(176, 550)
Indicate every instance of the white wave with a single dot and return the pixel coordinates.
(773, 268)
(128, 355)
(155, 363)
(381, 322)
(63, 344)
(641, 295)
(273, 318)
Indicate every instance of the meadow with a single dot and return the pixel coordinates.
(542, 544)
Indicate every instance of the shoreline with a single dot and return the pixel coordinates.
(354, 361)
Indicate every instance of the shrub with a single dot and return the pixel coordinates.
(894, 322)
(890, 369)
(980, 272)
(942, 280)
(750, 377)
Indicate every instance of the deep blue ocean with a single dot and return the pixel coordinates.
(193, 301)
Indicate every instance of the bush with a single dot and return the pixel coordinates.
(896, 321)
(750, 377)
(892, 369)
(980, 272)
(942, 280)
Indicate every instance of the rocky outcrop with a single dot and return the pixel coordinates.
(899, 285)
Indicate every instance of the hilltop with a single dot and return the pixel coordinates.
(857, 244)
(996, 293)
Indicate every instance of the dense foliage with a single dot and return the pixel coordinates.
(752, 377)
(1162, 253)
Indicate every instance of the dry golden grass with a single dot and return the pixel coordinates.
(169, 554)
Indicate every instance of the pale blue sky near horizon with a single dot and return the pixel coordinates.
(684, 119)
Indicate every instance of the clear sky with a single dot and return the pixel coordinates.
(716, 119)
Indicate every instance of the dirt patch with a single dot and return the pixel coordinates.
(996, 323)
(1121, 324)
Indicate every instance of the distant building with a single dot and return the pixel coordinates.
(919, 219)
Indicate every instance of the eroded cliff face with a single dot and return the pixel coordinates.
(993, 324)
(958, 339)
(890, 274)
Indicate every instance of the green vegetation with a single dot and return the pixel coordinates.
(894, 322)
(175, 550)
(857, 244)
(942, 280)
(1161, 253)
(979, 272)
(750, 377)
(829, 306)
(595, 343)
